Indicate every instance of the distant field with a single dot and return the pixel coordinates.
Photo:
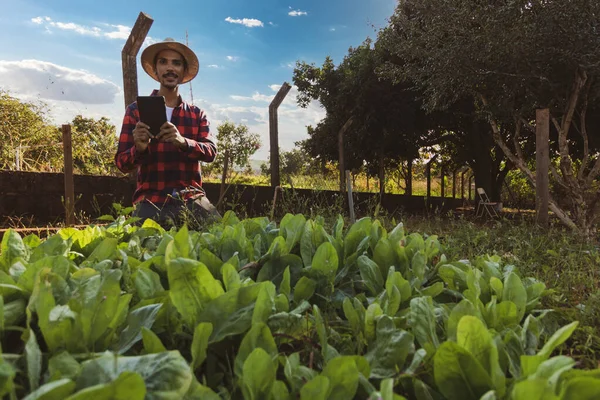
(320, 182)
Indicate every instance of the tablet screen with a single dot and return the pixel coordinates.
(153, 112)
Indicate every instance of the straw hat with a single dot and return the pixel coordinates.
(150, 52)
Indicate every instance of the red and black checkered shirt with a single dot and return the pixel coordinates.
(163, 169)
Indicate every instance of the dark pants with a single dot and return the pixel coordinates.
(195, 213)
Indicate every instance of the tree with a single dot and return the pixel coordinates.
(511, 57)
(465, 140)
(93, 144)
(236, 145)
(293, 163)
(390, 125)
(25, 128)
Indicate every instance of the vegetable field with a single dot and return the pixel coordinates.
(251, 309)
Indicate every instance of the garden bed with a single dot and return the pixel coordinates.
(253, 309)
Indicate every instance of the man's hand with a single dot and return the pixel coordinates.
(169, 133)
(141, 136)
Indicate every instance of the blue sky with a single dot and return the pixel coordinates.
(68, 53)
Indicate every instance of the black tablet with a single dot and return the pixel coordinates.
(153, 112)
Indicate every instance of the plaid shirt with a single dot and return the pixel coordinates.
(164, 170)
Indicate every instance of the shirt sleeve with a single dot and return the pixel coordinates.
(127, 158)
(204, 147)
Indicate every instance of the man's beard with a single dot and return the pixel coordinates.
(171, 84)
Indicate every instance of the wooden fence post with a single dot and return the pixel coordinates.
(470, 186)
(68, 173)
(462, 184)
(542, 165)
(429, 175)
(341, 162)
(129, 55)
(274, 132)
(409, 170)
(443, 184)
(350, 198)
(454, 184)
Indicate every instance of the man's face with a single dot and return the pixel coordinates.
(169, 68)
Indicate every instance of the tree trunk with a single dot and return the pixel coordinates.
(483, 164)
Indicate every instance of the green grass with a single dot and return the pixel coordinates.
(331, 182)
(568, 265)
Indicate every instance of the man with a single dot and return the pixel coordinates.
(169, 179)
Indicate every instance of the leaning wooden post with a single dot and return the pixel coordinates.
(277, 189)
(129, 55)
(341, 162)
(274, 132)
(68, 173)
(542, 165)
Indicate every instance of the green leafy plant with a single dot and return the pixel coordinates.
(256, 310)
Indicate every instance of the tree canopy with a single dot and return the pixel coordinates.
(511, 57)
(468, 76)
(390, 122)
(387, 124)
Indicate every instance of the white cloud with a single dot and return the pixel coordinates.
(233, 58)
(255, 97)
(121, 32)
(296, 13)
(253, 115)
(107, 31)
(148, 41)
(66, 92)
(215, 66)
(331, 29)
(55, 82)
(247, 22)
